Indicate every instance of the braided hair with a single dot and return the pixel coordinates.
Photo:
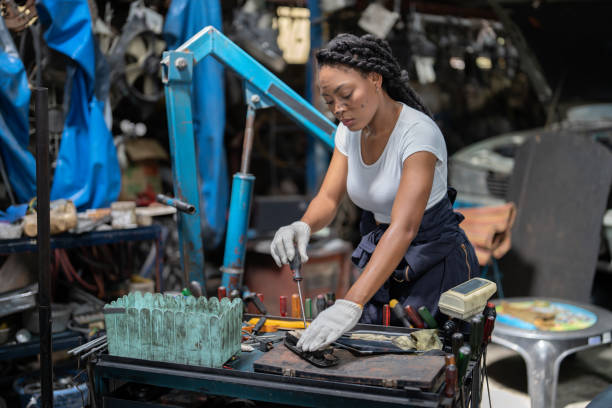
(371, 54)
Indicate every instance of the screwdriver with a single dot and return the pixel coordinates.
(330, 299)
(296, 266)
(283, 305)
(456, 343)
(296, 310)
(386, 320)
(431, 322)
(308, 310)
(488, 329)
(476, 333)
(412, 315)
(320, 304)
(221, 292)
(399, 312)
(464, 358)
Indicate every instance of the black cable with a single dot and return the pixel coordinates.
(486, 374)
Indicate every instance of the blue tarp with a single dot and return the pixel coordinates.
(87, 169)
(184, 19)
(14, 126)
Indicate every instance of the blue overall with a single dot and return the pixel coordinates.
(439, 258)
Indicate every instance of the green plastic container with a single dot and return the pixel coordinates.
(182, 329)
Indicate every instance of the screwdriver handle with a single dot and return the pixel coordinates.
(296, 266)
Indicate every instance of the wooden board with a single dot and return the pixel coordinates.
(389, 370)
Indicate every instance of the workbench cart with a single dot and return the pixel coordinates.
(239, 379)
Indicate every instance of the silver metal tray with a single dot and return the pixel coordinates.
(18, 300)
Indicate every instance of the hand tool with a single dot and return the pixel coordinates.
(359, 347)
(448, 329)
(295, 305)
(451, 380)
(399, 312)
(456, 342)
(464, 358)
(176, 203)
(488, 329)
(252, 297)
(283, 305)
(279, 324)
(320, 304)
(296, 266)
(476, 327)
(414, 317)
(221, 292)
(319, 358)
(386, 320)
(261, 325)
(195, 288)
(490, 310)
(330, 299)
(431, 322)
(308, 311)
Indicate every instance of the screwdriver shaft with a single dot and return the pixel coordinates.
(301, 303)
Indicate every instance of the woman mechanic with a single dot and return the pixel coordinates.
(390, 157)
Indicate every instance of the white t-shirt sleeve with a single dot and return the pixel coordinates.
(341, 139)
(422, 137)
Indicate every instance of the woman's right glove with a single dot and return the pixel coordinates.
(285, 239)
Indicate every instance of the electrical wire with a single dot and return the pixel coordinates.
(487, 377)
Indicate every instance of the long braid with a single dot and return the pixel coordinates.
(371, 54)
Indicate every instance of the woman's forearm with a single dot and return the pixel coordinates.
(388, 253)
(320, 212)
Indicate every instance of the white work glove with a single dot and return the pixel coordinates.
(282, 246)
(329, 325)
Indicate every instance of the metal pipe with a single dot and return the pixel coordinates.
(43, 244)
(93, 350)
(87, 345)
(247, 144)
(176, 203)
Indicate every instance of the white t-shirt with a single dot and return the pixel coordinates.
(373, 187)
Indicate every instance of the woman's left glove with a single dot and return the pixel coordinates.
(331, 323)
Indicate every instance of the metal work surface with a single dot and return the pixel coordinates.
(258, 386)
(387, 370)
(543, 351)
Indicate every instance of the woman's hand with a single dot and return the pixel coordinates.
(331, 323)
(282, 246)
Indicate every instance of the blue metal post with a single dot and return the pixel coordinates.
(177, 75)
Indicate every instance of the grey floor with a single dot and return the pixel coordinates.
(583, 375)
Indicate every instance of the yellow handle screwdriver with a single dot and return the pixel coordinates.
(296, 266)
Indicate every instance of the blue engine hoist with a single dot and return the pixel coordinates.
(262, 90)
